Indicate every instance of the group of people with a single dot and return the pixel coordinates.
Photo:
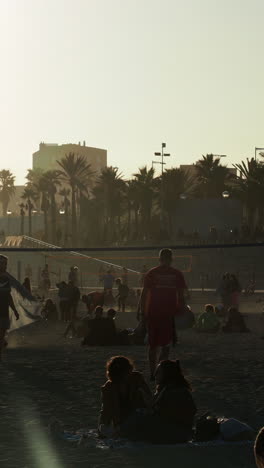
(214, 319)
(129, 409)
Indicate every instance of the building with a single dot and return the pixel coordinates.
(48, 154)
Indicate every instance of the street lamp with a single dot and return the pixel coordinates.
(225, 194)
(257, 149)
(183, 196)
(62, 211)
(8, 221)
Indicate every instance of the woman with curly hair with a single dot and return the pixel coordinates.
(259, 449)
(121, 395)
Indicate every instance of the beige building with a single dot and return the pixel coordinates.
(48, 154)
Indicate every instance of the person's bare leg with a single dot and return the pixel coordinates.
(153, 357)
(164, 353)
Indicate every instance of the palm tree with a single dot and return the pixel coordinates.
(49, 182)
(175, 183)
(146, 187)
(250, 189)
(30, 196)
(133, 204)
(213, 178)
(109, 192)
(77, 174)
(65, 193)
(7, 188)
(22, 215)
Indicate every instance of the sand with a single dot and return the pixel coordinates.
(46, 376)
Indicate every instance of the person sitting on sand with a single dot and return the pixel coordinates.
(208, 321)
(121, 395)
(95, 335)
(110, 333)
(171, 411)
(235, 322)
(259, 449)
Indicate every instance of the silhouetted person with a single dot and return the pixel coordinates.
(161, 300)
(122, 295)
(27, 284)
(6, 301)
(121, 395)
(259, 449)
(235, 322)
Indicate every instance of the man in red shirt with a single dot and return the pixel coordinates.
(162, 298)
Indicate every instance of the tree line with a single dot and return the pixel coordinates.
(83, 208)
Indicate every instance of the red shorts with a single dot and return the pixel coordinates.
(160, 331)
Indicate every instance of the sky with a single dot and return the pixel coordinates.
(127, 75)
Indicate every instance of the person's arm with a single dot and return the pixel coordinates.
(13, 307)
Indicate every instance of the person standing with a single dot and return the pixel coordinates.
(161, 300)
(123, 291)
(6, 301)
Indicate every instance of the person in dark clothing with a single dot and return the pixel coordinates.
(171, 411)
(235, 322)
(27, 284)
(259, 449)
(74, 297)
(49, 311)
(95, 335)
(121, 395)
(6, 301)
(122, 295)
(63, 300)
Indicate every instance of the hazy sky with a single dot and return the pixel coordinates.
(126, 75)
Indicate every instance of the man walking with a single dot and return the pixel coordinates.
(162, 298)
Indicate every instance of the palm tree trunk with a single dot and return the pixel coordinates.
(29, 218)
(129, 221)
(22, 224)
(46, 231)
(74, 217)
(53, 218)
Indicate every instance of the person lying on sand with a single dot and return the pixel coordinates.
(171, 411)
(121, 395)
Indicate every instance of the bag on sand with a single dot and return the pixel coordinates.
(234, 430)
(207, 428)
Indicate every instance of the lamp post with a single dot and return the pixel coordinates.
(257, 150)
(8, 221)
(161, 155)
(34, 211)
(22, 214)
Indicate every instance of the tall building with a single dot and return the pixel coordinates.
(48, 154)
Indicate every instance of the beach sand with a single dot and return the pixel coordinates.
(46, 376)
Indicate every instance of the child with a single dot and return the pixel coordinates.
(208, 321)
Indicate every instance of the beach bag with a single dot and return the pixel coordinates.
(233, 430)
(207, 428)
